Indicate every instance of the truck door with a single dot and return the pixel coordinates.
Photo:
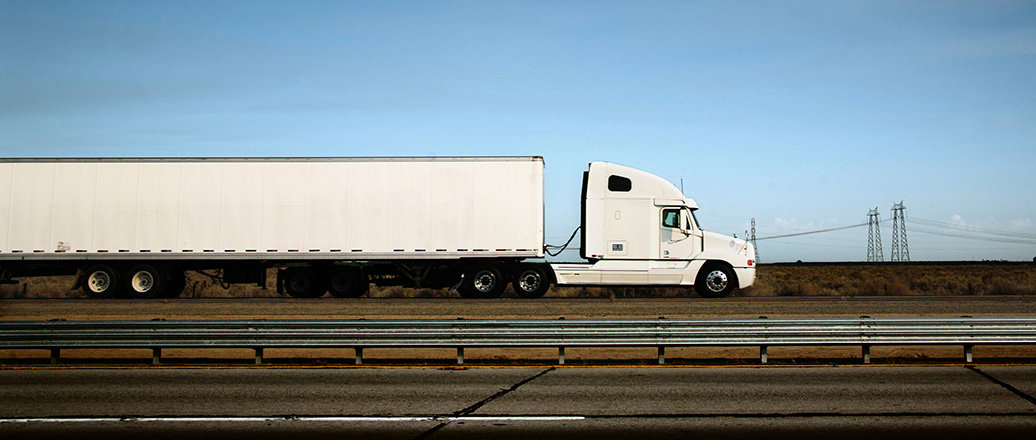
(679, 237)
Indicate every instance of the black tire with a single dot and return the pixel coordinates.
(530, 282)
(347, 282)
(715, 281)
(464, 292)
(177, 281)
(304, 283)
(483, 282)
(144, 281)
(101, 281)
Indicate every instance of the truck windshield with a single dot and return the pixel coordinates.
(695, 218)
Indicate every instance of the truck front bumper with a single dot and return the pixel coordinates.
(745, 276)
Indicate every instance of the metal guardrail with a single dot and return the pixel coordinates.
(661, 333)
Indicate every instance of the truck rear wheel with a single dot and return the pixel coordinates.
(347, 282)
(531, 282)
(145, 281)
(101, 281)
(482, 282)
(715, 281)
(303, 283)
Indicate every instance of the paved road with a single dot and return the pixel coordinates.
(785, 402)
(549, 308)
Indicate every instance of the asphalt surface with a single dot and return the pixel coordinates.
(508, 308)
(770, 402)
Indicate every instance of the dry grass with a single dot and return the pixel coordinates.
(772, 280)
(895, 279)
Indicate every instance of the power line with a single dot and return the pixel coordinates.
(817, 245)
(796, 234)
(972, 229)
(974, 237)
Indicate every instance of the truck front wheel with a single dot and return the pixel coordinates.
(715, 281)
(482, 282)
(100, 281)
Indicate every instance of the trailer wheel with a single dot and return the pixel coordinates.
(100, 281)
(174, 287)
(347, 282)
(144, 281)
(715, 281)
(483, 282)
(303, 283)
(531, 282)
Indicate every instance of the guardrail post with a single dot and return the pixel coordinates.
(460, 355)
(55, 354)
(762, 354)
(156, 356)
(661, 355)
(561, 355)
(967, 353)
(359, 355)
(866, 354)
(258, 355)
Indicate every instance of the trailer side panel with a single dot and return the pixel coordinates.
(307, 208)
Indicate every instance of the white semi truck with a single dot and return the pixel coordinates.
(131, 227)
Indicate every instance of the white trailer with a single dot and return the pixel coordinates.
(131, 227)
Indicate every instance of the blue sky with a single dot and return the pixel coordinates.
(801, 114)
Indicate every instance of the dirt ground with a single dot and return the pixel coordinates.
(805, 279)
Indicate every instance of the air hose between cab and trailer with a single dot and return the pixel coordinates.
(560, 249)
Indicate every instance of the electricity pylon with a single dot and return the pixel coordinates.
(874, 252)
(900, 249)
(752, 239)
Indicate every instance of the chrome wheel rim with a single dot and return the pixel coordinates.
(716, 280)
(530, 280)
(484, 281)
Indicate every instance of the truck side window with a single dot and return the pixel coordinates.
(671, 218)
(619, 184)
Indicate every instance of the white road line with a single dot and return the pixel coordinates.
(319, 419)
(512, 418)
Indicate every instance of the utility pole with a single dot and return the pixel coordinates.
(752, 239)
(874, 252)
(900, 250)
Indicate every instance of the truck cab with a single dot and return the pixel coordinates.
(640, 230)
